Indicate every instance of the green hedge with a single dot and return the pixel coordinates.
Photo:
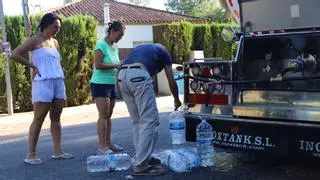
(202, 39)
(3, 100)
(77, 39)
(19, 74)
(177, 37)
(206, 37)
(223, 49)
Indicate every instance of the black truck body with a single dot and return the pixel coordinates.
(267, 99)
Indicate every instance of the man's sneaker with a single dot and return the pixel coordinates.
(148, 170)
(154, 161)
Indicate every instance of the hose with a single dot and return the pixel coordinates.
(271, 80)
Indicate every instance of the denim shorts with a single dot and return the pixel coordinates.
(103, 90)
(48, 90)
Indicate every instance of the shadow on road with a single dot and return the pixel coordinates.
(81, 141)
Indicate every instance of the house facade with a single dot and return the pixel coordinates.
(138, 19)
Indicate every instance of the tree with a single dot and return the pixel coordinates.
(200, 8)
(224, 5)
(210, 9)
(181, 6)
(140, 2)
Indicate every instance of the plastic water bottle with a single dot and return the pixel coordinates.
(191, 155)
(177, 127)
(178, 162)
(205, 143)
(109, 162)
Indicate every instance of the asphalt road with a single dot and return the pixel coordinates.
(81, 141)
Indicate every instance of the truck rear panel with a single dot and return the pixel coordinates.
(298, 139)
(266, 100)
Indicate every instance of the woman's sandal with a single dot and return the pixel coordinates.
(62, 156)
(33, 161)
(106, 152)
(36, 161)
(115, 148)
(150, 171)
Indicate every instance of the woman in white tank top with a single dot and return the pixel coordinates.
(48, 89)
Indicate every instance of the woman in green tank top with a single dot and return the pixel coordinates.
(106, 64)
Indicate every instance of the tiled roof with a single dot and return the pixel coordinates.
(127, 13)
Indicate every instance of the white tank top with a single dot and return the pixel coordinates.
(47, 60)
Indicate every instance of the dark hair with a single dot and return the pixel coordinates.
(115, 25)
(47, 20)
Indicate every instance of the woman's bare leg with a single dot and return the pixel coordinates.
(108, 122)
(103, 106)
(55, 127)
(40, 111)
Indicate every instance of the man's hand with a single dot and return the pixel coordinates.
(177, 104)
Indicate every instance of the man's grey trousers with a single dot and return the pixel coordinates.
(136, 87)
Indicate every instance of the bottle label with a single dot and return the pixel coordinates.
(176, 125)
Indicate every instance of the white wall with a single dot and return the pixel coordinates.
(163, 85)
(132, 33)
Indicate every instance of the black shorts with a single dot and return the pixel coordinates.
(103, 90)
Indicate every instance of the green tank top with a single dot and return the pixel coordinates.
(110, 56)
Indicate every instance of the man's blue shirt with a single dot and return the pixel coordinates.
(153, 56)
